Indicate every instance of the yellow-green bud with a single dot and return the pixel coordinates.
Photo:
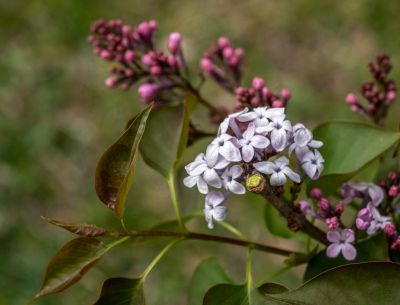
(256, 183)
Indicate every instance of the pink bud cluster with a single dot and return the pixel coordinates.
(224, 63)
(379, 93)
(133, 51)
(392, 184)
(260, 95)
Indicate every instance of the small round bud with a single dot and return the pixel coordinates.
(223, 42)
(392, 176)
(339, 208)
(323, 205)
(351, 99)
(255, 102)
(285, 94)
(156, 70)
(111, 81)
(148, 91)
(207, 65)
(278, 104)
(129, 55)
(332, 223)
(174, 42)
(147, 59)
(227, 53)
(316, 193)
(393, 191)
(389, 230)
(391, 96)
(256, 183)
(258, 83)
(106, 55)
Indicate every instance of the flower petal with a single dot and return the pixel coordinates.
(281, 161)
(230, 152)
(249, 133)
(220, 212)
(236, 187)
(214, 198)
(236, 171)
(291, 174)
(265, 167)
(247, 153)
(212, 153)
(212, 178)
(278, 179)
(259, 142)
(348, 235)
(349, 251)
(333, 236)
(333, 250)
(202, 186)
(190, 181)
(278, 139)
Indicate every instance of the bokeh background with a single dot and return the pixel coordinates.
(57, 117)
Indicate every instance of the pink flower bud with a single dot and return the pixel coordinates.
(106, 55)
(396, 244)
(148, 92)
(172, 61)
(339, 208)
(223, 42)
(316, 193)
(207, 65)
(371, 107)
(144, 30)
(285, 94)
(391, 96)
(258, 83)
(126, 30)
(129, 55)
(255, 102)
(323, 205)
(392, 176)
(393, 191)
(240, 90)
(227, 53)
(111, 81)
(278, 104)
(147, 59)
(389, 230)
(156, 70)
(332, 223)
(153, 25)
(266, 93)
(174, 42)
(351, 99)
(239, 52)
(354, 108)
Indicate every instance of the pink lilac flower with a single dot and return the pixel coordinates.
(341, 241)
(251, 142)
(214, 208)
(230, 177)
(278, 170)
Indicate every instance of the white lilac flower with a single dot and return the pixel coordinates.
(279, 129)
(251, 141)
(230, 122)
(202, 172)
(341, 242)
(302, 138)
(278, 170)
(378, 221)
(313, 164)
(226, 146)
(261, 116)
(229, 180)
(214, 208)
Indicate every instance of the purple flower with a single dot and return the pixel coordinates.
(279, 129)
(302, 137)
(230, 122)
(203, 172)
(378, 222)
(261, 116)
(313, 164)
(229, 180)
(224, 146)
(214, 208)
(369, 191)
(251, 141)
(278, 170)
(305, 208)
(341, 242)
(363, 220)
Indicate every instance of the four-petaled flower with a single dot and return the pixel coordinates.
(202, 172)
(341, 242)
(279, 129)
(229, 180)
(378, 221)
(302, 138)
(261, 116)
(278, 170)
(214, 208)
(224, 146)
(313, 164)
(251, 141)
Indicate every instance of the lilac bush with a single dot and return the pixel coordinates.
(314, 180)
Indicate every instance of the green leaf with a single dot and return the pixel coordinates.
(372, 249)
(86, 230)
(225, 294)
(356, 284)
(207, 274)
(122, 291)
(116, 166)
(349, 146)
(272, 288)
(166, 136)
(72, 262)
(275, 223)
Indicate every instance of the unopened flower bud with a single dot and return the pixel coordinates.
(396, 244)
(316, 193)
(392, 176)
(256, 183)
(389, 230)
(129, 55)
(351, 99)
(285, 94)
(174, 42)
(393, 191)
(258, 83)
(391, 96)
(155, 70)
(323, 205)
(223, 42)
(207, 65)
(227, 52)
(148, 92)
(111, 81)
(339, 208)
(332, 223)
(106, 55)
(278, 104)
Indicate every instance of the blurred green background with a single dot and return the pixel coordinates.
(57, 117)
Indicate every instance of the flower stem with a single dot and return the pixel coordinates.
(205, 237)
(174, 199)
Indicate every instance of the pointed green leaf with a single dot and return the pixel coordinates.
(356, 284)
(207, 274)
(372, 249)
(86, 230)
(166, 136)
(116, 166)
(122, 291)
(72, 262)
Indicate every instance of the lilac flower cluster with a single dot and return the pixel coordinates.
(370, 217)
(260, 95)
(224, 63)
(133, 51)
(379, 93)
(261, 140)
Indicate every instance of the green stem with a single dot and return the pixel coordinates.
(158, 257)
(249, 279)
(174, 199)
